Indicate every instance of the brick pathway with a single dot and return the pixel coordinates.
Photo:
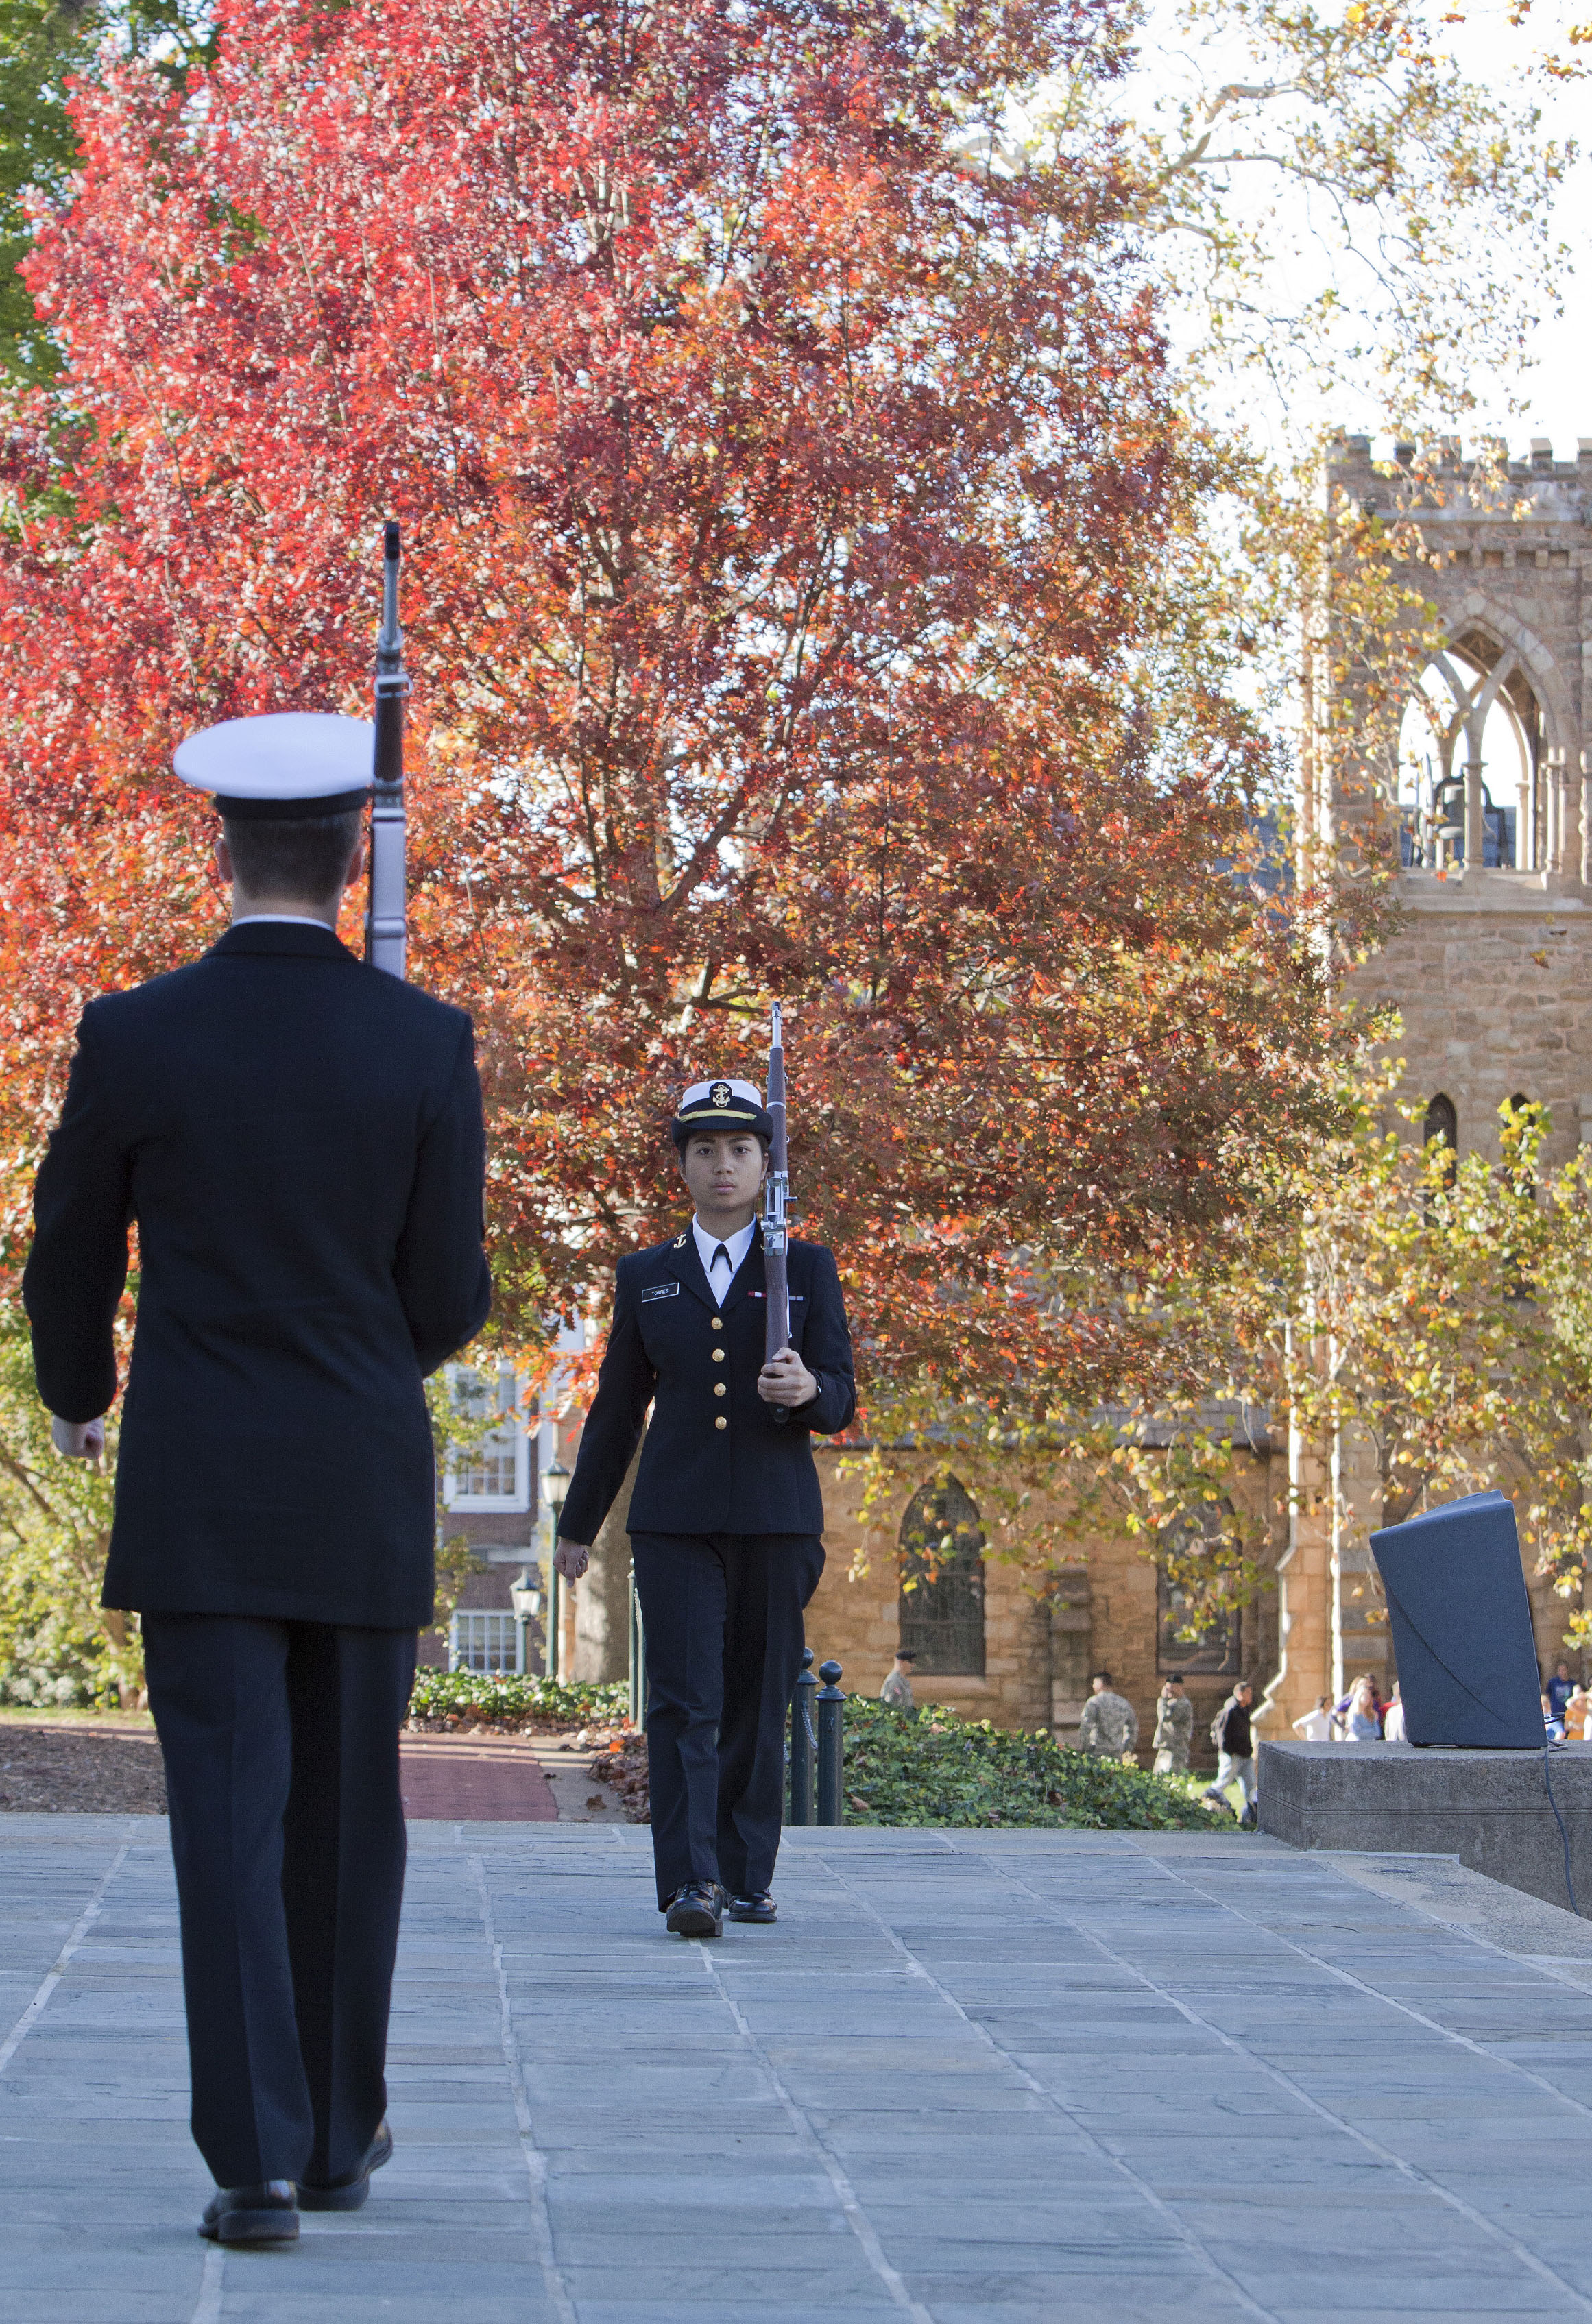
(969, 2078)
(452, 1779)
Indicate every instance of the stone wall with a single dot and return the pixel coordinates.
(1041, 1628)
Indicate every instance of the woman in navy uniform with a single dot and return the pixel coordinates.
(726, 1517)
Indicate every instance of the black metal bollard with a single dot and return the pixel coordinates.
(638, 1660)
(803, 1744)
(831, 1745)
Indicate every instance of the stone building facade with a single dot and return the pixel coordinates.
(1488, 797)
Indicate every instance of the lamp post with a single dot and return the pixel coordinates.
(525, 1597)
(555, 1485)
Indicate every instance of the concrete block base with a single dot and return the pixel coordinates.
(1488, 1808)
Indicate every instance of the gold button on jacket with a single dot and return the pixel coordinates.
(721, 1422)
(719, 1389)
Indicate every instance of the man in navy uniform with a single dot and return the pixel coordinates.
(726, 1517)
(299, 1139)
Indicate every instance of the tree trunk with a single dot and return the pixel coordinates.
(602, 1597)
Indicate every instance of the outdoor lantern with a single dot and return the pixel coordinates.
(555, 1485)
(526, 1598)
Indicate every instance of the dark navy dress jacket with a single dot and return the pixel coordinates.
(714, 1461)
(298, 1139)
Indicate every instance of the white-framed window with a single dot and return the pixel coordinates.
(490, 1469)
(483, 1642)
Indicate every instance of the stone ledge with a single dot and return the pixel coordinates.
(1488, 1808)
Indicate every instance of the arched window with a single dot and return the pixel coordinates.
(1473, 705)
(1442, 1129)
(1205, 1641)
(942, 1581)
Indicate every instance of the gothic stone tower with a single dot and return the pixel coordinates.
(1492, 969)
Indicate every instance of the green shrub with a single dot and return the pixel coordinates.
(940, 1769)
(503, 1700)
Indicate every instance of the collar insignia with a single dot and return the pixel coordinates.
(680, 1240)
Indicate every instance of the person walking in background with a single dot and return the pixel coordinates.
(299, 1136)
(1109, 1727)
(1230, 1733)
(1174, 1728)
(897, 1688)
(1316, 1726)
(1361, 1723)
(1392, 1717)
(1560, 1687)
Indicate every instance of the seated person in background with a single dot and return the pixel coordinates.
(1109, 1727)
(897, 1688)
(1316, 1726)
(1554, 1726)
(1393, 1719)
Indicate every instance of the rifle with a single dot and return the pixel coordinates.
(777, 1199)
(386, 932)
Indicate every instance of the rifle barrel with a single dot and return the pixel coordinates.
(386, 930)
(776, 1278)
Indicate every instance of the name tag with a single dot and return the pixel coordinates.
(660, 1291)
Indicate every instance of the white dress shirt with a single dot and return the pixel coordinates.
(721, 1276)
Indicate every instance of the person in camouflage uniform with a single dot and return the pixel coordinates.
(1174, 1728)
(1109, 1727)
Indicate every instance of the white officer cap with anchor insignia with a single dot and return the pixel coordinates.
(722, 1105)
(287, 765)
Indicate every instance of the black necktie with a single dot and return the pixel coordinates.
(720, 1250)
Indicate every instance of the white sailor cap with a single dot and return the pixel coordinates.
(286, 765)
(720, 1105)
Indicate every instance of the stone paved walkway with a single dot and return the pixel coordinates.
(1012, 2077)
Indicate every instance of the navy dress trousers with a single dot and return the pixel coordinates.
(726, 1530)
(298, 1139)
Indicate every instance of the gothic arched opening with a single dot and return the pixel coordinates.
(942, 1581)
(1472, 706)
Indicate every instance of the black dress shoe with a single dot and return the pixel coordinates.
(696, 1910)
(759, 1907)
(267, 2213)
(348, 2194)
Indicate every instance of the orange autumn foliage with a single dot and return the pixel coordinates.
(796, 506)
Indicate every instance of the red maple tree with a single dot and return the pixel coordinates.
(800, 527)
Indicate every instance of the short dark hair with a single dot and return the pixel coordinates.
(1174, 1678)
(307, 860)
(1104, 1674)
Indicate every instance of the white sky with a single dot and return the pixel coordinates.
(1555, 394)
(1559, 390)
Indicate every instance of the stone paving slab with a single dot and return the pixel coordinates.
(968, 2079)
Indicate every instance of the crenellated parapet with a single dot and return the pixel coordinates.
(1492, 770)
